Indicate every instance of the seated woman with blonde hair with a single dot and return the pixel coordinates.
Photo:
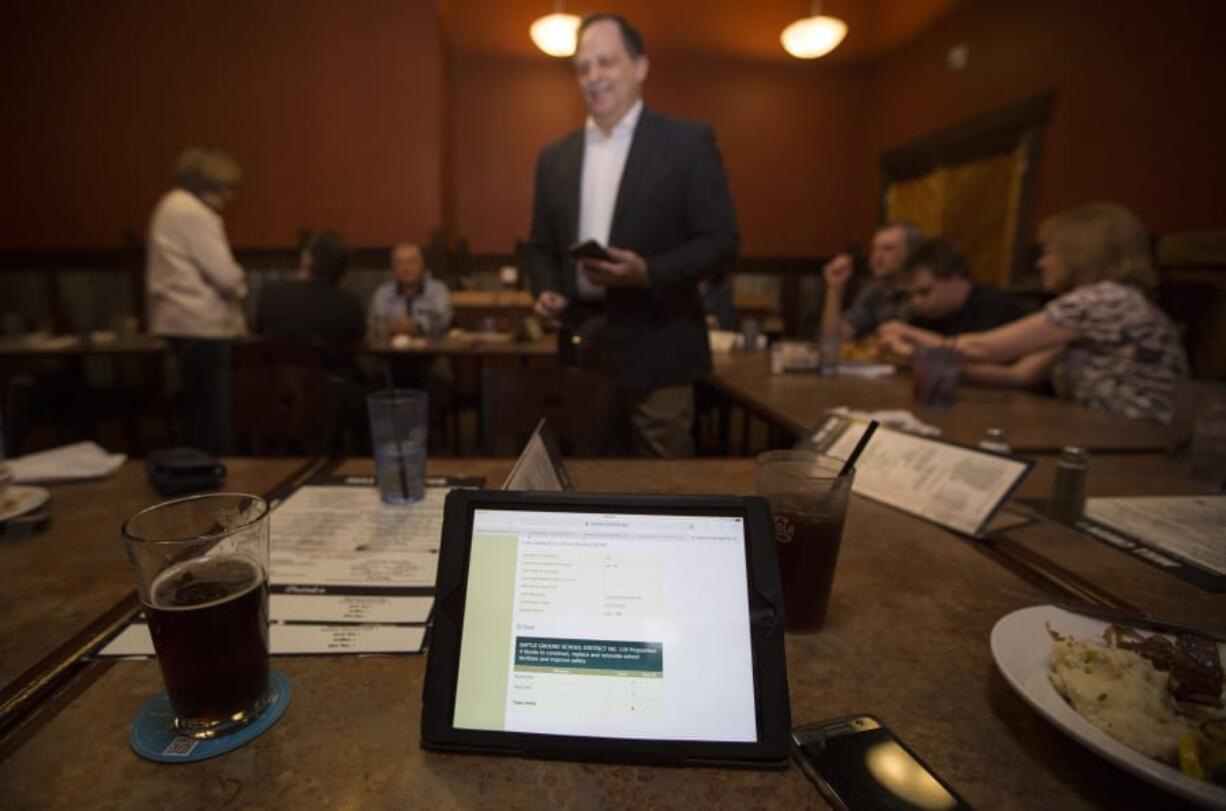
(1105, 344)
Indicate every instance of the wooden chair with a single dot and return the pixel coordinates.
(582, 408)
(284, 405)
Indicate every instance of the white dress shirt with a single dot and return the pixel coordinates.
(193, 284)
(604, 159)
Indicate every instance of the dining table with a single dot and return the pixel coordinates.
(906, 639)
(794, 403)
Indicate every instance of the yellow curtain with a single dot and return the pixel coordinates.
(976, 204)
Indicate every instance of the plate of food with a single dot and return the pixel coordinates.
(1152, 703)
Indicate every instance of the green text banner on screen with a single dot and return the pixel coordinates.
(607, 625)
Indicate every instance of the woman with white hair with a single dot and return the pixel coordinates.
(195, 289)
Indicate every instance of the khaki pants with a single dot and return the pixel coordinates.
(662, 421)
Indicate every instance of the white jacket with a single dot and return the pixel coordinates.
(194, 286)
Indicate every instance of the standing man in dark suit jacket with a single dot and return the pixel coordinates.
(653, 190)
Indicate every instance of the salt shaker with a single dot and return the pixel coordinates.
(1068, 495)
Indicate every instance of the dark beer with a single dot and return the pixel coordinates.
(209, 622)
(808, 547)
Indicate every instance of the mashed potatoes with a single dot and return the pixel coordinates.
(1121, 693)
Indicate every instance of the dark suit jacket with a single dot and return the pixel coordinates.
(673, 209)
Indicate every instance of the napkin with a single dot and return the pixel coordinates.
(898, 418)
(82, 460)
(867, 369)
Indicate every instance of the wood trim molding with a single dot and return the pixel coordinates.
(983, 136)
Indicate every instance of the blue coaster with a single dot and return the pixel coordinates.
(153, 735)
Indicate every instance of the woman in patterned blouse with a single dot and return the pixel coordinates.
(1104, 343)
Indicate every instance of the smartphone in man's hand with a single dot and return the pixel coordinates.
(590, 249)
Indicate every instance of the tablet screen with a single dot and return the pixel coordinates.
(614, 625)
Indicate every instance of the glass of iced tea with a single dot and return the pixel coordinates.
(808, 501)
(201, 569)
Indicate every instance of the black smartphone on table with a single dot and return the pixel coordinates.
(590, 249)
(857, 763)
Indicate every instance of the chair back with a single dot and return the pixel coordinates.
(581, 407)
(285, 405)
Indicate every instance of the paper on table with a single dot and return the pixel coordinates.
(81, 460)
(134, 641)
(1189, 527)
(350, 608)
(866, 369)
(341, 536)
(898, 418)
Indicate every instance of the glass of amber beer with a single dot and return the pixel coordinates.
(201, 568)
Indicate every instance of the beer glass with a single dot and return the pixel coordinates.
(201, 569)
(808, 501)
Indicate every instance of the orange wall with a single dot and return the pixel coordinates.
(505, 110)
(332, 108)
(336, 111)
(1138, 118)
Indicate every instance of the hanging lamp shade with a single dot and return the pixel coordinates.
(811, 37)
(555, 33)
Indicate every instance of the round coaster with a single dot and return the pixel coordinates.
(153, 734)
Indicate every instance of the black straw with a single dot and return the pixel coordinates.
(850, 464)
(404, 476)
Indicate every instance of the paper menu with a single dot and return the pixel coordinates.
(134, 641)
(340, 538)
(1187, 527)
(951, 485)
(342, 561)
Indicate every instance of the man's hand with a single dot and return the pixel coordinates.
(404, 325)
(895, 348)
(838, 270)
(549, 307)
(894, 329)
(626, 270)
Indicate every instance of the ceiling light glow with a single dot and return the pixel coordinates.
(812, 37)
(555, 33)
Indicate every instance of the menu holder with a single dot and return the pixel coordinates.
(539, 466)
(1179, 534)
(955, 486)
(348, 574)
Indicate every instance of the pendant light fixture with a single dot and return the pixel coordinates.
(555, 33)
(813, 36)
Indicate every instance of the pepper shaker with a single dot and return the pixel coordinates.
(1068, 495)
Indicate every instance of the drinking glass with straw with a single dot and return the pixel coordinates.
(808, 495)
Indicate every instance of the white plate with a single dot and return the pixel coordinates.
(19, 499)
(1022, 647)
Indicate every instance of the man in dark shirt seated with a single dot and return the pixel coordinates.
(943, 297)
(314, 310)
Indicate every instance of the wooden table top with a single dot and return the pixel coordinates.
(474, 344)
(1132, 581)
(58, 580)
(757, 303)
(29, 346)
(1032, 423)
(907, 639)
